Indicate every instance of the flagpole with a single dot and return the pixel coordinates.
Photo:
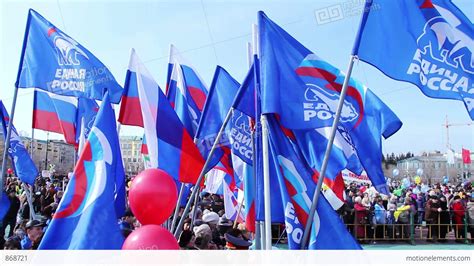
(176, 210)
(201, 175)
(266, 184)
(322, 173)
(32, 141)
(7, 139)
(238, 213)
(196, 200)
(257, 237)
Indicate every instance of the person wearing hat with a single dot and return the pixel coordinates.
(432, 210)
(203, 237)
(212, 219)
(34, 234)
(235, 240)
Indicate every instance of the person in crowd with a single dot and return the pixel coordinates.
(223, 227)
(420, 207)
(470, 213)
(402, 216)
(203, 237)
(432, 210)
(212, 219)
(12, 243)
(391, 208)
(361, 218)
(34, 235)
(236, 241)
(380, 218)
(186, 240)
(459, 212)
(444, 219)
(10, 217)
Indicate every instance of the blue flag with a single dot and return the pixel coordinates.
(437, 51)
(22, 163)
(243, 138)
(86, 216)
(53, 61)
(218, 102)
(297, 189)
(4, 205)
(254, 91)
(86, 113)
(312, 101)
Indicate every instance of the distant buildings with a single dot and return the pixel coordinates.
(61, 155)
(434, 167)
(132, 158)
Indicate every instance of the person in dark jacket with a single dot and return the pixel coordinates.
(10, 216)
(443, 219)
(432, 210)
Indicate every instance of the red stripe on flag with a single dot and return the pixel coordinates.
(47, 121)
(80, 184)
(250, 219)
(130, 112)
(199, 97)
(190, 161)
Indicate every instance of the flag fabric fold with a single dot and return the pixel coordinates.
(297, 188)
(311, 103)
(169, 144)
(437, 51)
(55, 113)
(54, 62)
(22, 163)
(86, 216)
(466, 156)
(218, 103)
(186, 91)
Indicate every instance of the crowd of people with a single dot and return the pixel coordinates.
(440, 208)
(369, 216)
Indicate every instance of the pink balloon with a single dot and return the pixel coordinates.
(150, 237)
(153, 196)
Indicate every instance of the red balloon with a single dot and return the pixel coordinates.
(10, 171)
(153, 196)
(150, 237)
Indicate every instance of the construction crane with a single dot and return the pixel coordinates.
(448, 146)
(447, 125)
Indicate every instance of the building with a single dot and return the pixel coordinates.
(131, 155)
(435, 168)
(55, 153)
(62, 156)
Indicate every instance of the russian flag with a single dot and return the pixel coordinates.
(55, 113)
(185, 90)
(169, 144)
(130, 111)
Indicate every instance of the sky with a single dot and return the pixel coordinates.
(216, 32)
